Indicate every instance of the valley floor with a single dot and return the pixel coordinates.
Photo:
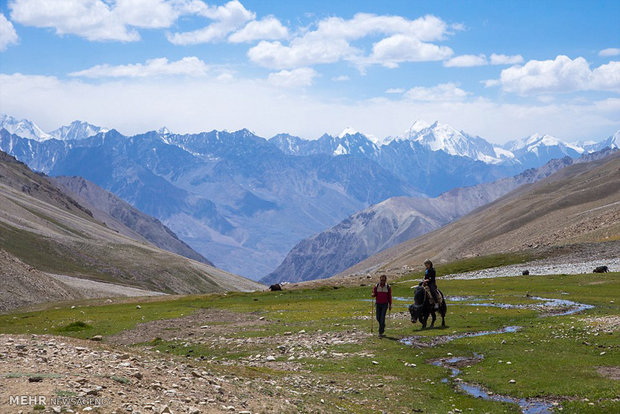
(512, 344)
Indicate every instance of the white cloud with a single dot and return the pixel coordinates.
(443, 92)
(99, 20)
(227, 19)
(293, 78)
(401, 40)
(400, 48)
(268, 28)
(612, 51)
(505, 59)
(301, 52)
(606, 77)
(203, 104)
(188, 66)
(427, 28)
(559, 75)
(8, 35)
(397, 91)
(481, 60)
(466, 61)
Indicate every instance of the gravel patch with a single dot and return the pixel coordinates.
(540, 268)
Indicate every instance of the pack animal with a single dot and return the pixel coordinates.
(275, 287)
(601, 269)
(422, 307)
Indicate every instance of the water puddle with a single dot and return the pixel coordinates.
(528, 406)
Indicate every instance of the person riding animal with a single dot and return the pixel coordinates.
(429, 280)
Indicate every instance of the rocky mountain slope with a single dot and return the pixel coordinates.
(578, 204)
(392, 222)
(48, 231)
(122, 217)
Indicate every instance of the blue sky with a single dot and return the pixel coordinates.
(501, 69)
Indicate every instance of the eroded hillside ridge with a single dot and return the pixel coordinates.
(109, 209)
(49, 232)
(578, 204)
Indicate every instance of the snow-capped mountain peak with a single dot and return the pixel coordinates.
(77, 130)
(415, 128)
(24, 128)
(347, 131)
(163, 131)
(535, 141)
(614, 140)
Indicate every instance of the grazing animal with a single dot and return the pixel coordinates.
(601, 269)
(525, 272)
(422, 308)
(275, 287)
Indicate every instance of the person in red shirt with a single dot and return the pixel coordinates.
(383, 294)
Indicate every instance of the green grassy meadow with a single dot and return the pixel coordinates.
(555, 358)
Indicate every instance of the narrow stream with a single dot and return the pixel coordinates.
(447, 338)
(552, 307)
(528, 406)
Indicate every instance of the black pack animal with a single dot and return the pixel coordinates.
(275, 287)
(601, 269)
(525, 272)
(422, 308)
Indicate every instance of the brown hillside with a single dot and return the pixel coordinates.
(578, 204)
(49, 232)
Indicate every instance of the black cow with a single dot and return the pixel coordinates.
(275, 287)
(525, 272)
(422, 307)
(601, 269)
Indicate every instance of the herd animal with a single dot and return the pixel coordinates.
(601, 269)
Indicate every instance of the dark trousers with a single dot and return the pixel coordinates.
(434, 292)
(382, 309)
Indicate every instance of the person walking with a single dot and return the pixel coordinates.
(382, 292)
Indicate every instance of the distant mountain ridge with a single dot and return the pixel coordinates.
(391, 222)
(244, 201)
(28, 129)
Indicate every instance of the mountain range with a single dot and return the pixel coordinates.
(244, 201)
